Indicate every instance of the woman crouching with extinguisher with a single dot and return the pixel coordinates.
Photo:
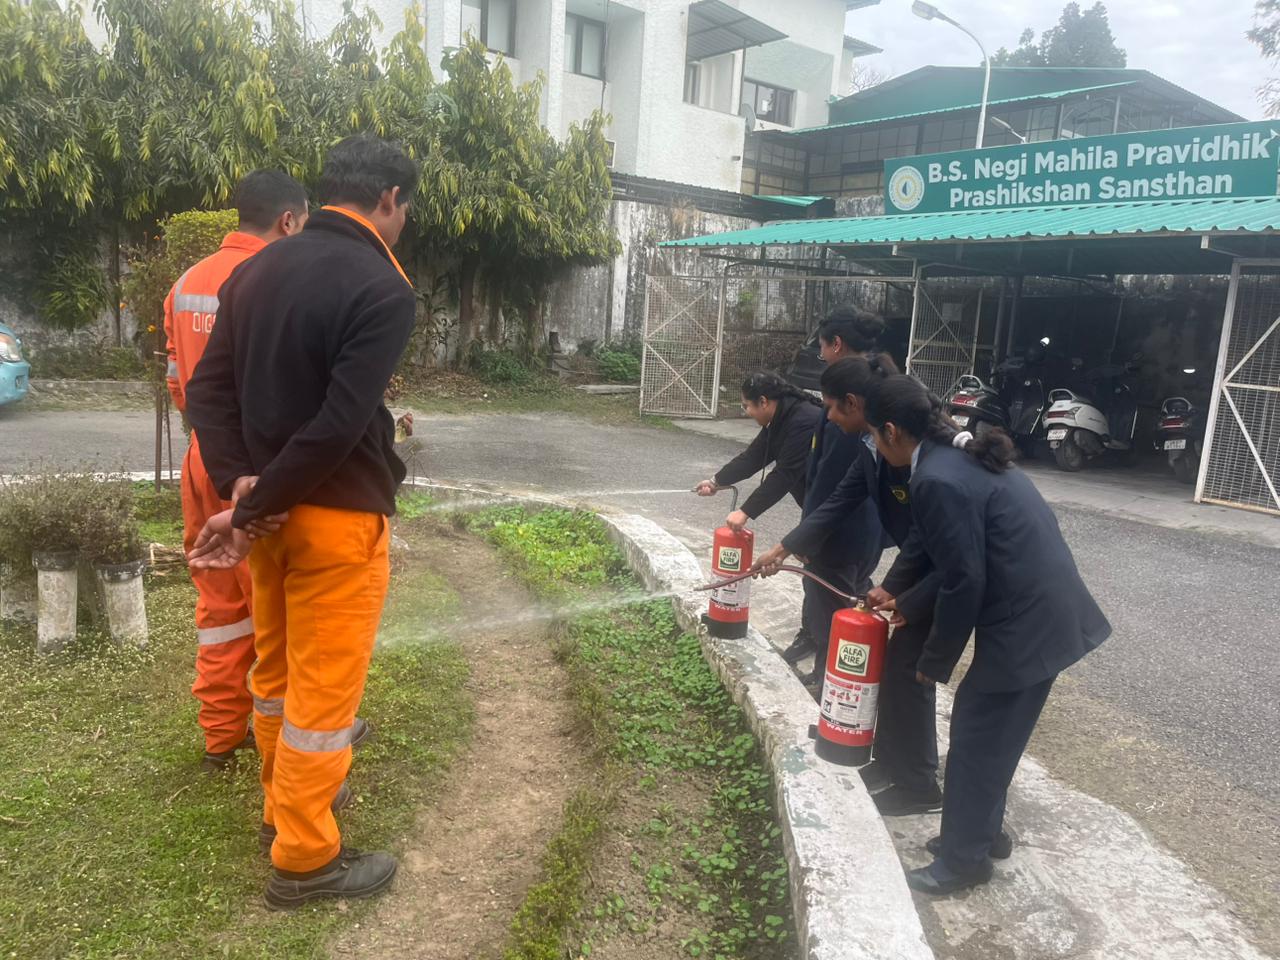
(787, 417)
(1007, 576)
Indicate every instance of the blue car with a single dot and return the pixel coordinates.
(15, 373)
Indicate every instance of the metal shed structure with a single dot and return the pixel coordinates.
(806, 262)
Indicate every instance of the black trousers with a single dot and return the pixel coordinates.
(906, 725)
(989, 732)
(820, 604)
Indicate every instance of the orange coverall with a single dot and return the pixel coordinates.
(224, 614)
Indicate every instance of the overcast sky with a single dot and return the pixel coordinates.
(1196, 44)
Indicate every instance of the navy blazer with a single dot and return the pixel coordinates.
(1007, 575)
(852, 540)
(787, 441)
(910, 579)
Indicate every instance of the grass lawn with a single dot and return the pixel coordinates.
(111, 842)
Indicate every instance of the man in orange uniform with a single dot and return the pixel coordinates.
(288, 403)
(271, 205)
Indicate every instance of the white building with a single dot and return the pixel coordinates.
(676, 76)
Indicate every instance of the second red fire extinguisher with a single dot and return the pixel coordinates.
(851, 688)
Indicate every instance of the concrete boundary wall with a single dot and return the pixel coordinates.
(849, 892)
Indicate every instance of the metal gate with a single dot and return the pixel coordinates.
(944, 337)
(1241, 465)
(683, 326)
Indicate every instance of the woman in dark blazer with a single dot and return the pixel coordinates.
(1008, 577)
(787, 417)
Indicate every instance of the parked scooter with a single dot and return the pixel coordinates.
(1014, 401)
(1085, 424)
(1180, 435)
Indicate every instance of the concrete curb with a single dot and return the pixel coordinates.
(124, 388)
(848, 890)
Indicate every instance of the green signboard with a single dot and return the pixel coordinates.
(1225, 160)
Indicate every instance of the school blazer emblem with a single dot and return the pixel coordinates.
(901, 494)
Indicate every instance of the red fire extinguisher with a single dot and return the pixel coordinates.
(727, 614)
(851, 689)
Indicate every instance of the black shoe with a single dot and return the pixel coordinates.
(350, 875)
(360, 732)
(267, 832)
(220, 762)
(1001, 846)
(937, 879)
(897, 801)
(800, 648)
(875, 776)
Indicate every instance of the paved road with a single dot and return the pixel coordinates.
(1181, 701)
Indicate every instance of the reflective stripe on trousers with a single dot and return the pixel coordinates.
(232, 631)
(269, 706)
(316, 741)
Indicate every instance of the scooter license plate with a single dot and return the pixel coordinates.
(1057, 434)
(1180, 444)
(961, 421)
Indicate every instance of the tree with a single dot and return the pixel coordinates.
(864, 76)
(1078, 40)
(1266, 34)
(189, 97)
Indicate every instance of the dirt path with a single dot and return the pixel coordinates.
(477, 850)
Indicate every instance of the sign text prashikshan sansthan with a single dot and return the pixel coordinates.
(1227, 160)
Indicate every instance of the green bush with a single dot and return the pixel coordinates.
(184, 239)
(618, 366)
(499, 367)
(95, 362)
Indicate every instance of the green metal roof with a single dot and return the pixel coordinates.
(1056, 95)
(930, 90)
(1099, 220)
(797, 201)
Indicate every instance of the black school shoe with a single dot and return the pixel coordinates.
(1001, 846)
(350, 875)
(800, 648)
(875, 776)
(267, 832)
(220, 762)
(897, 801)
(938, 880)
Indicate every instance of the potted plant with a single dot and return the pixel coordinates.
(109, 539)
(51, 507)
(17, 577)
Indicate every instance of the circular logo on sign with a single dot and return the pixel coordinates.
(906, 188)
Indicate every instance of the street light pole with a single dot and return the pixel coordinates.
(927, 11)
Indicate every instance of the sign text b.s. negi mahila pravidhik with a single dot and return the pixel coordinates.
(1226, 160)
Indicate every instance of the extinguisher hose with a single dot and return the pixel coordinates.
(851, 599)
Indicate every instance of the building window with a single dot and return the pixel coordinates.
(584, 46)
(692, 76)
(773, 104)
(492, 22)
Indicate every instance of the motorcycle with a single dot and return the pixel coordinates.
(1084, 424)
(1180, 435)
(1015, 403)
(976, 406)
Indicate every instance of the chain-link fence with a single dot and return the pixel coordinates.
(1242, 461)
(680, 370)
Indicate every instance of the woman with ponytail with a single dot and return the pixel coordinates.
(787, 417)
(1008, 577)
